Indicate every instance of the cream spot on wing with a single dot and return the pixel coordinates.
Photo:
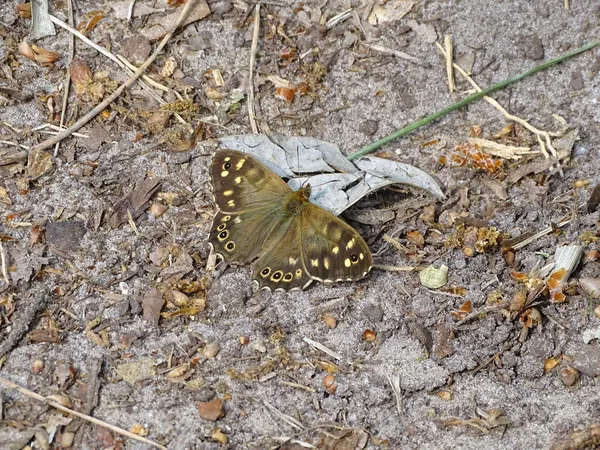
(292, 261)
(335, 250)
(230, 203)
(314, 262)
(361, 256)
(325, 228)
(326, 263)
(298, 273)
(237, 220)
(228, 193)
(224, 173)
(350, 244)
(225, 218)
(347, 262)
(240, 163)
(238, 180)
(227, 158)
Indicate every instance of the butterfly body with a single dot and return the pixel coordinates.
(289, 240)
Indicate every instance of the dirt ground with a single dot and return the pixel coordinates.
(221, 367)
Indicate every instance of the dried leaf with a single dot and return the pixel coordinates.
(134, 371)
(4, 198)
(152, 303)
(38, 163)
(93, 17)
(463, 311)
(24, 10)
(38, 54)
(416, 237)
(211, 410)
(133, 202)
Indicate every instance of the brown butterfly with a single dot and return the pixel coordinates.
(290, 241)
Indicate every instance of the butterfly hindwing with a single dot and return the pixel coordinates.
(280, 266)
(241, 183)
(332, 250)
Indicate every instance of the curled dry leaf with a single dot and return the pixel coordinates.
(551, 363)
(217, 435)
(4, 198)
(24, 10)
(139, 429)
(416, 238)
(463, 311)
(92, 19)
(38, 54)
(286, 94)
(532, 317)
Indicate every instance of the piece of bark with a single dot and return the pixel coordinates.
(133, 202)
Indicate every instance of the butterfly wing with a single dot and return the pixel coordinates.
(331, 249)
(280, 266)
(249, 196)
(242, 183)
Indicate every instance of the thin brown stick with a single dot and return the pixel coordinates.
(99, 108)
(3, 262)
(251, 110)
(91, 419)
(67, 83)
(449, 61)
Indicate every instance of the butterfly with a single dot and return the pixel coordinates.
(290, 241)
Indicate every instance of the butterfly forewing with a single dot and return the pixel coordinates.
(241, 183)
(332, 250)
(249, 197)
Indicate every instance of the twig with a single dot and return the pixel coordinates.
(288, 419)
(124, 64)
(547, 142)
(67, 83)
(98, 109)
(388, 51)
(395, 384)
(388, 268)
(321, 347)
(130, 10)
(3, 261)
(338, 19)
(468, 100)
(251, 110)
(538, 235)
(26, 147)
(91, 419)
(449, 60)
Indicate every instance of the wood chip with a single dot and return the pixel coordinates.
(133, 202)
